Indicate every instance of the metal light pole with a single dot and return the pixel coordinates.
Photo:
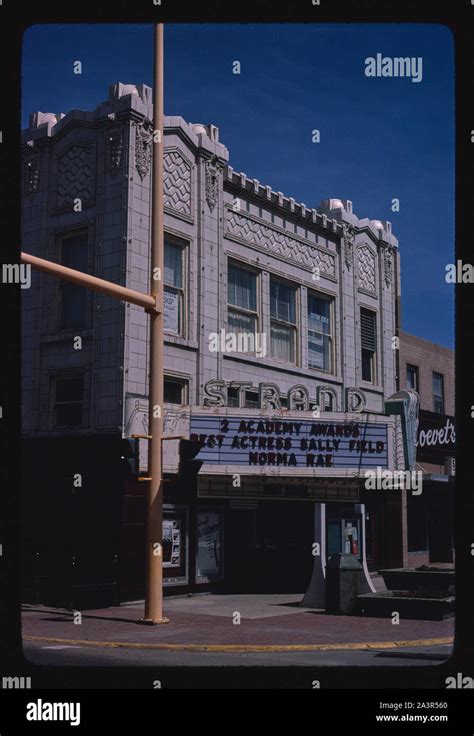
(153, 304)
(154, 500)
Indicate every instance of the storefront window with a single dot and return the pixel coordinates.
(175, 529)
(209, 549)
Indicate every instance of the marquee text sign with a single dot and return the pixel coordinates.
(240, 440)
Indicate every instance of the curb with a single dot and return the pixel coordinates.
(248, 647)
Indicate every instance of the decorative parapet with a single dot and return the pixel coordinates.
(280, 201)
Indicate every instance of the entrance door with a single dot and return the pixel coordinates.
(439, 522)
(285, 533)
(269, 549)
(240, 550)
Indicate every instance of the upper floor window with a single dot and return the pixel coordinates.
(368, 341)
(412, 377)
(72, 297)
(283, 326)
(320, 337)
(68, 400)
(438, 393)
(173, 296)
(175, 391)
(242, 300)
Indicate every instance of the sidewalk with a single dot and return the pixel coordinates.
(206, 622)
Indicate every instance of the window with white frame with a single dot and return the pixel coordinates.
(242, 312)
(283, 324)
(173, 296)
(320, 333)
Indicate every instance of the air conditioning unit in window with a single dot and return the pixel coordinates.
(450, 465)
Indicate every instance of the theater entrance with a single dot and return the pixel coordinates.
(268, 547)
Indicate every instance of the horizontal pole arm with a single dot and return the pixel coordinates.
(145, 301)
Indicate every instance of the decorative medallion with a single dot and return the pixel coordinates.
(213, 170)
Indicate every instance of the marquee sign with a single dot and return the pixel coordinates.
(264, 442)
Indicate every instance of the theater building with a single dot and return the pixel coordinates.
(428, 517)
(279, 360)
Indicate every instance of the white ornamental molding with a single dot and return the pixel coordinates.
(213, 170)
(349, 237)
(177, 182)
(366, 268)
(269, 238)
(143, 144)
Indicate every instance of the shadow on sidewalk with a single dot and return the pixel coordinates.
(51, 615)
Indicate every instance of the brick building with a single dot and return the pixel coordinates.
(428, 518)
(303, 407)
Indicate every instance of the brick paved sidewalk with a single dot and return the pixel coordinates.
(271, 620)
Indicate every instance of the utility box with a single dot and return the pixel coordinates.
(345, 580)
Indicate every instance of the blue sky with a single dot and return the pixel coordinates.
(381, 138)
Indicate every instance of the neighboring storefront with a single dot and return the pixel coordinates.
(429, 369)
(430, 515)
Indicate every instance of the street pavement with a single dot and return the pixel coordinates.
(229, 629)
